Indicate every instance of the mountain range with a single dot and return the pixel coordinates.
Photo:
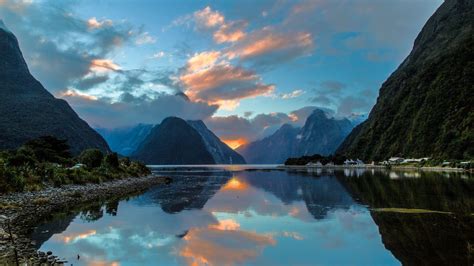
(321, 134)
(29, 111)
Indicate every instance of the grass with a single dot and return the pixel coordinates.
(410, 211)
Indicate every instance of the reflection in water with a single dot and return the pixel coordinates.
(273, 218)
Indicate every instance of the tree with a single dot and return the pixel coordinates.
(49, 149)
(92, 158)
(111, 160)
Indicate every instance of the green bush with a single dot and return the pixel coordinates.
(111, 161)
(45, 162)
(92, 158)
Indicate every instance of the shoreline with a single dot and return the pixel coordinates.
(22, 211)
(379, 167)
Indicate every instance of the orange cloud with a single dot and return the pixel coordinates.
(223, 82)
(210, 246)
(269, 41)
(74, 237)
(202, 60)
(103, 65)
(230, 32)
(235, 143)
(74, 93)
(208, 18)
(227, 224)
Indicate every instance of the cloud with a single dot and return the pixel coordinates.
(292, 94)
(391, 25)
(210, 78)
(207, 18)
(204, 246)
(93, 23)
(145, 38)
(202, 60)
(352, 104)
(158, 55)
(332, 86)
(270, 46)
(103, 65)
(90, 81)
(298, 117)
(230, 32)
(130, 110)
(236, 129)
(70, 45)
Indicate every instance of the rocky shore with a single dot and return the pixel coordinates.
(21, 212)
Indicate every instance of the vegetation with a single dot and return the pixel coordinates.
(336, 159)
(46, 161)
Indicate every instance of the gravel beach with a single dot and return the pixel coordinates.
(20, 213)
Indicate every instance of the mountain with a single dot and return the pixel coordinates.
(173, 141)
(28, 110)
(221, 153)
(426, 107)
(125, 140)
(320, 134)
(275, 148)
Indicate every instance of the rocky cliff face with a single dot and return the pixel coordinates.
(320, 135)
(426, 107)
(221, 153)
(173, 142)
(28, 110)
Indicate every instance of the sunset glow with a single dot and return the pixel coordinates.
(72, 238)
(235, 184)
(235, 143)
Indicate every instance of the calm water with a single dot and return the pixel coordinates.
(228, 216)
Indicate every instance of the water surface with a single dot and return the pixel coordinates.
(231, 216)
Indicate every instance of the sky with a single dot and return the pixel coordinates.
(244, 67)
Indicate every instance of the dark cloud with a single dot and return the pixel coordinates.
(89, 82)
(50, 32)
(332, 86)
(248, 114)
(343, 99)
(352, 104)
(131, 109)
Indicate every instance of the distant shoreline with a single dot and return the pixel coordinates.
(368, 166)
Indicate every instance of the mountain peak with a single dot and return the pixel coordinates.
(3, 27)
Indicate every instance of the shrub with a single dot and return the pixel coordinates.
(20, 158)
(111, 160)
(92, 158)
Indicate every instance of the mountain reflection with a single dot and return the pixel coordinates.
(275, 218)
(424, 238)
